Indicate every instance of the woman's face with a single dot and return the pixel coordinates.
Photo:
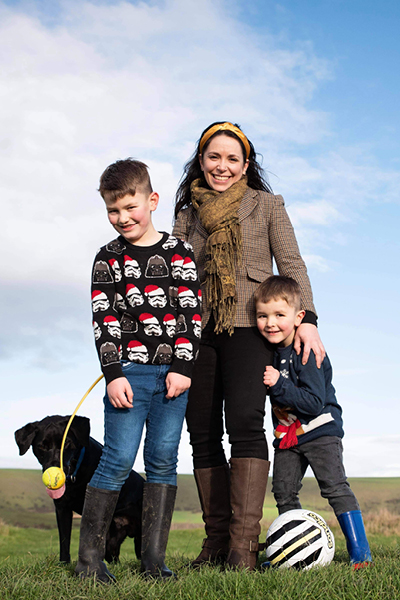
(222, 162)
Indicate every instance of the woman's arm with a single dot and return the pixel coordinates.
(307, 334)
(290, 263)
(180, 226)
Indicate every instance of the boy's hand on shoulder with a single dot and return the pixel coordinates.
(271, 376)
(307, 334)
(176, 384)
(120, 393)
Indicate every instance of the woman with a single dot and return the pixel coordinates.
(226, 210)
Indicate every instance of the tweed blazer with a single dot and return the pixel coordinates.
(267, 233)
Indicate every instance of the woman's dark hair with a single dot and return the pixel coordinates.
(256, 178)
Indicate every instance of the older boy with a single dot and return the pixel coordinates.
(144, 284)
(306, 416)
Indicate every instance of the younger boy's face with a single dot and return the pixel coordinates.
(277, 321)
(131, 217)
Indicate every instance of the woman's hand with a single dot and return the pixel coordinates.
(307, 334)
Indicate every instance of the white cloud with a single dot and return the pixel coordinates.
(317, 213)
(372, 456)
(85, 83)
(316, 262)
(105, 81)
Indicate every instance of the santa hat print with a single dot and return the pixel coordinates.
(188, 263)
(132, 290)
(176, 260)
(196, 319)
(183, 343)
(136, 346)
(130, 261)
(148, 319)
(184, 291)
(98, 295)
(169, 320)
(110, 320)
(153, 290)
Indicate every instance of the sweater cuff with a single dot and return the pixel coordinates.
(310, 317)
(183, 367)
(112, 372)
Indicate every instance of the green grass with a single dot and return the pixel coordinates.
(29, 569)
(32, 577)
(24, 542)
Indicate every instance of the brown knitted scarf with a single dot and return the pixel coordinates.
(218, 213)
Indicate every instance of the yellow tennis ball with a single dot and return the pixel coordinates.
(53, 478)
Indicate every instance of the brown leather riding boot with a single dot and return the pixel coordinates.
(213, 489)
(249, 478)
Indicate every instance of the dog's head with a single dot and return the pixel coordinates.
(45, 437)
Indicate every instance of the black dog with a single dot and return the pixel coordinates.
(80, 459)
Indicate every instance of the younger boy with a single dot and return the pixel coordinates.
(306, 416)
(146, 315)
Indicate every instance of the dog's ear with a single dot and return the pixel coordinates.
(81, 427)
(25, 436)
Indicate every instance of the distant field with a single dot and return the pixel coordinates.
(24, 502)
(28, 524)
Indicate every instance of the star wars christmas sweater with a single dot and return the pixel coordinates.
(304, 405)
(146, 304)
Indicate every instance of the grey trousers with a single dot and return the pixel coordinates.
(325, 457)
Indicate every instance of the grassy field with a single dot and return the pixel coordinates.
(29, 569)
(24, 502)
(43, 578)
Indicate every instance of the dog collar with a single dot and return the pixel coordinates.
(72, 477)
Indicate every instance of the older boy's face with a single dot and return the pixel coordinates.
(276, 321)
(131, 217)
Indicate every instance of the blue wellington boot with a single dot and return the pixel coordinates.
(357, 544)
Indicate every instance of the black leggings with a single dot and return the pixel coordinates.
(230, 369)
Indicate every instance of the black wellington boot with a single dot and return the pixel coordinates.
(158, 506)
(97, 513)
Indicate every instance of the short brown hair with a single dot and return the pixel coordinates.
(279, 287)
(124, 177)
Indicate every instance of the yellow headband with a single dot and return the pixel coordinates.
(225, 127)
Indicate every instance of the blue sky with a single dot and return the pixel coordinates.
(359, 39)
(314, 85)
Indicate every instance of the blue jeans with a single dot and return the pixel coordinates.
(123, 428)
(325, 457)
